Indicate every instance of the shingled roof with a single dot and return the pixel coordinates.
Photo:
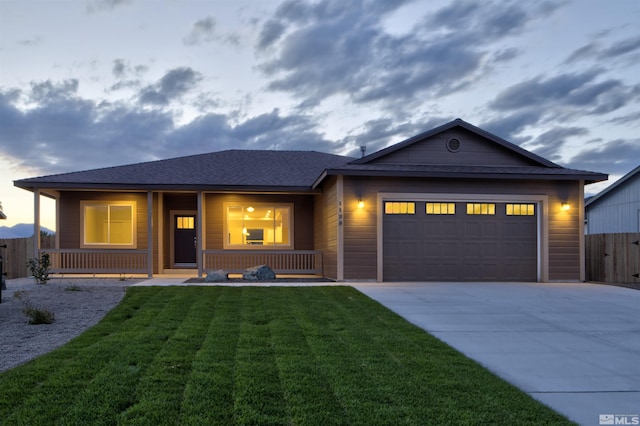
(291, 171)
(223, 170)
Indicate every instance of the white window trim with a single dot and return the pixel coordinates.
(227, 246)
(134, 226)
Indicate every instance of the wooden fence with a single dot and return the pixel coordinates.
(18, 252)
(613, 258)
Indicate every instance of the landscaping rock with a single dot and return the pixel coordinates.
(216, 276)
(259, 273)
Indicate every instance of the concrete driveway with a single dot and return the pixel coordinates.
(575, 347)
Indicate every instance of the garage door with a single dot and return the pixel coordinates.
(444, 241)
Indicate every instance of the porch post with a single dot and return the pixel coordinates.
(57, 237)
(36, 223)
(200, 233)
(150, 234)
(160, 228)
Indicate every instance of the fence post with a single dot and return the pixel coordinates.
(2, 274)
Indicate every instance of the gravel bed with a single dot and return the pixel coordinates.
(76, 303)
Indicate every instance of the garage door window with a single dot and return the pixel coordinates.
(399, 207)
(441, 208)
(481, 209)
(520, 209)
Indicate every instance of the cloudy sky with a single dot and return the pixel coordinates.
(86, 84)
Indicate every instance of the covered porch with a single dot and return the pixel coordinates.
(155, 232)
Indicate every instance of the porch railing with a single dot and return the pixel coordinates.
(81, 261)
(97, 261)
(281, 261)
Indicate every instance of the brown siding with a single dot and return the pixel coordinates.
(302, 214)
(326, 228)
(70, 215)
(475, 150)
(360, 233)
(564, 233)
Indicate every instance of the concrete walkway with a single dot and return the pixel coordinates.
(575, 347)
(173, 281)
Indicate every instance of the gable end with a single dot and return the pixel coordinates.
(456, 143)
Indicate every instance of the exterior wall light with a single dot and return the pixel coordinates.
(565, 206)
(360, 204)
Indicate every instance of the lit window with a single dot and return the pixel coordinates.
(521, 210)
(263, 225)
(481, 209)
(108, 223)
(185, 222)
(441, 208)
(399, 207)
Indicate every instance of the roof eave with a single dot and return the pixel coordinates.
(161, 187)
(588, 178)
(605, 192)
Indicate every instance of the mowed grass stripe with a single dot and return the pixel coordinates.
(208, 396)
(347, 359)
(225, 355)
(183, 329)
(63, 374)
(258, 394)
(308, 392)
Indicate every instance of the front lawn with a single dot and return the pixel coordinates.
(250, 355)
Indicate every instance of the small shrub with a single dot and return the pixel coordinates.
(39, 316)
(40, 268)
(36, 315)
(73, 287)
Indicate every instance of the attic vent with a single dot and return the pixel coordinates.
(454, 145)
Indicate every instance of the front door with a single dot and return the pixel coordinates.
(184, 239)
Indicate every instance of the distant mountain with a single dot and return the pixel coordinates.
(21, 230)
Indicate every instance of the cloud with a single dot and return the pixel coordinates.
(505, 55)
(48, 92)
(551, 143)
(202, 32)
(317, 50)
(173, 85)
(537, 91)
(119, 68)
(127, 77)
(549, 100)
(596, 50)
(59, 133)
(270, 131)
(102, 5)
(615, 157)
(270, 33)
(633, 118)
(510, 125)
